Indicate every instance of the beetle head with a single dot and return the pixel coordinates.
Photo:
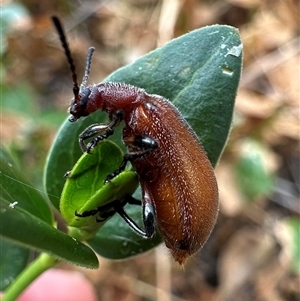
(78, 106)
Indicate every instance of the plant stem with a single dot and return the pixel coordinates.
(35, 269)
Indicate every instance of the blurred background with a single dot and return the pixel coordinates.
(254, 251)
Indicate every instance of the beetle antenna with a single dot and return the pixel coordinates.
(65, 45)
(87, 67)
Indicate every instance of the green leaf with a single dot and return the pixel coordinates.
(198, 72)
(17, 191)
(26, 219)
(85, 189)
(11, 253)
(22, 228)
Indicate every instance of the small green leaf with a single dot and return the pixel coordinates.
(85, 189)
(22, 228)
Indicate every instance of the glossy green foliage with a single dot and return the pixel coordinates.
(18, 192)
(22, 228)
(11, 253)
(85, 190)
(26, 222)
(199, 73)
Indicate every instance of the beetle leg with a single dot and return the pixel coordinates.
(109, 209)
(117, 171)
(141, 142)
(88, 212)
(144, 144)
(118, 206)
(133, 201)
(149, 219)
(148, 216)
(131, 223)
(104, 211)
(107, 129)
(103, 215)
(91, 131)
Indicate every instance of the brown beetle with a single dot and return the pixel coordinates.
(179, 188)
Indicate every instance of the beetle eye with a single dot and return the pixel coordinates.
(84, 96)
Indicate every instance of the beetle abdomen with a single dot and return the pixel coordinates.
(178, 178)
